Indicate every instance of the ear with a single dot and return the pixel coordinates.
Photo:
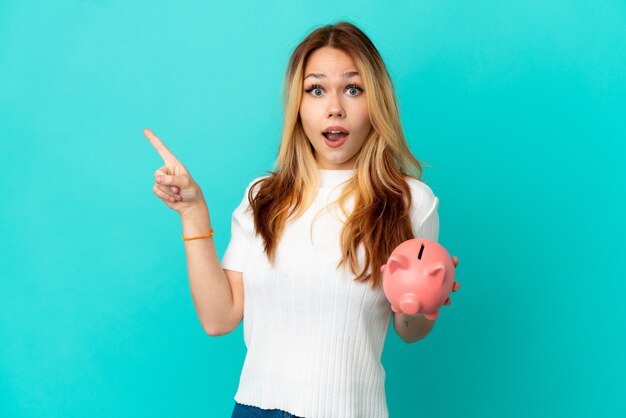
(437, 272)
(397, 261)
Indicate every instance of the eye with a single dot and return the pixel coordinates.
(314, 87)
(354, 87)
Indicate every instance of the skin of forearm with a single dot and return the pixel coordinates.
(412, 328)
(210, 288)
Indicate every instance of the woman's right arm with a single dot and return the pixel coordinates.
(217, 293)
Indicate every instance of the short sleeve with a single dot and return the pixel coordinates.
(424, 211)
(242, 228)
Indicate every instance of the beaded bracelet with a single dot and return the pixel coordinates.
(210, 234)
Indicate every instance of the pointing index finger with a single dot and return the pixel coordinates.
(165, 153)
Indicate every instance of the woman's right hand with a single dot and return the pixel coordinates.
(172, 182)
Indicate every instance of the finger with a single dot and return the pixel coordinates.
(162, 171)
(455, 260)
(163, 195)
(175, 181)
(165, 153)
(447, 302)
(167, 191)
(457, 286)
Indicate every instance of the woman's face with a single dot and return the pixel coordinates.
(333, 99)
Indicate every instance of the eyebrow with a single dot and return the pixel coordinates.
(347, 74)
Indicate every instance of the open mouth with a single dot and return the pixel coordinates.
(334, 135)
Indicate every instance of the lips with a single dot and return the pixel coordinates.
(336, 129)
(335, 135)
(335, 141)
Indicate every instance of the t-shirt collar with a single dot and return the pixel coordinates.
(332, 178)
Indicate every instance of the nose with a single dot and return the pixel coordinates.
(334, 106)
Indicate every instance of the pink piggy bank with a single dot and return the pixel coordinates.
(418, 277)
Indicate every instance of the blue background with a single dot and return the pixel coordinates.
(518, 106)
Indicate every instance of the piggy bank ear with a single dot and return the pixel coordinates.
(397, 261)
(437, 272)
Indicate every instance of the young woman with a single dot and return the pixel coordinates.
(308, 240)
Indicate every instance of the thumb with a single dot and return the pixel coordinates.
(166, 179)
(172, 180)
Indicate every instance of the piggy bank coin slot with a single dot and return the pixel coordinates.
(419, 256)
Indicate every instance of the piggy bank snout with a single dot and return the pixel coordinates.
(409, 305)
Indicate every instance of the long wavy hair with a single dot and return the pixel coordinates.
(380, 218)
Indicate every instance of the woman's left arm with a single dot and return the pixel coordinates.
(412, 328)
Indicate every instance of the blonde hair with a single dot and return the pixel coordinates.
(380, 219)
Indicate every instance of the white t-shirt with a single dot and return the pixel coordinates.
(314, 336)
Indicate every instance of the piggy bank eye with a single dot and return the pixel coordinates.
(419, 256)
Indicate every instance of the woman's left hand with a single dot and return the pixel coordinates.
(456, 286)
